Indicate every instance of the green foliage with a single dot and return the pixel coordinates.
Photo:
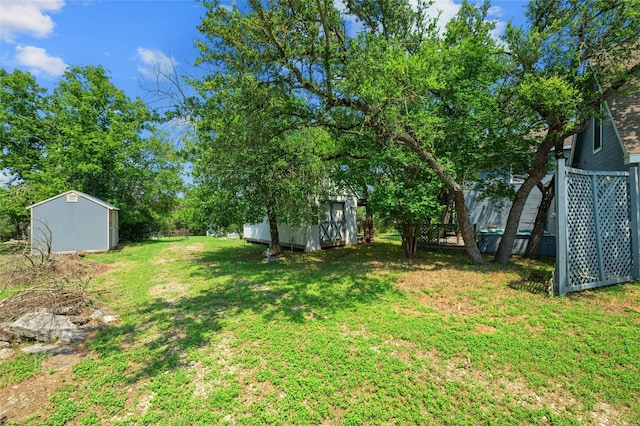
(396, 82)
(14, 218)
(22, 367)
(406, 192)
(572, 56)
(255, 157)
(88, 136)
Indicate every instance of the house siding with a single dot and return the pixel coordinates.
(484, 213)
(71, 226)
(610, 157)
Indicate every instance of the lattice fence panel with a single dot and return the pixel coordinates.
(598, 229)
(615, 230)
(582, 251)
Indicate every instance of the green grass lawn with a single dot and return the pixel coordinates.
(209, 333)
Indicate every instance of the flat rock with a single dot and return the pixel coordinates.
(109, 318)
(42, 326)
(47, 349)
(97, 314)
(103, 316)
(6, 353)
(6, 335)
(76, 335)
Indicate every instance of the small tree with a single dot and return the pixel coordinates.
(406, 191)
(261, 157)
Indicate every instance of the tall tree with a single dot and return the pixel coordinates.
(573, 56)
(257, 154)
(22, 137)
(24, 105)
(87, 135)
(397, 77)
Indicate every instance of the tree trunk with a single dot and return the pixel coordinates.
(369, 229)
(538, 171)
(273, 232)
(535, 240)
(470, 243)
(409, 239)
(468, 236)
(18, 230)
(447, 201)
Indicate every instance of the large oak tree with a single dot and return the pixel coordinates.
(396, 77)
(88, 136)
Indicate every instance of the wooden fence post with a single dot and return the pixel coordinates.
(561, 237)
(634, 190)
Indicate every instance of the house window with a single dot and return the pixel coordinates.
(72, 198)
(597, 133)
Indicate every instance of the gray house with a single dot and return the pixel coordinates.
(489, 217)
(612, 143)
(73, 221)
(599, 197)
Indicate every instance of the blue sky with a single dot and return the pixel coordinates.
(126, 37)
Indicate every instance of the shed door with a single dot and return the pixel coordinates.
(113, 228)
(332, 228)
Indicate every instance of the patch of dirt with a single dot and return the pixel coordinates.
(27, 399)
(220, 352)
(485, 329)
(629, 304)
(431, 286)
(171, 291)
(180, 252)
(514, 389)
(137, 405)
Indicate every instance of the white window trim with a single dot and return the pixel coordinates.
(600, 129)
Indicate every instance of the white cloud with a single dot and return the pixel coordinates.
(27, 17)
(38, 61)
(496, 11)
(447, 9)
(155, 64)
(4, 179)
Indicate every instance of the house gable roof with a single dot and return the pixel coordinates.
(79, 194)
(625, 112)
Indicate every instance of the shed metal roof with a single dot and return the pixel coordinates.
(80, 194)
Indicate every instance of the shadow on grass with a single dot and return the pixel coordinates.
(238, 285)
(299, 288)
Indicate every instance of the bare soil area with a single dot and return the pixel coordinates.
(28, 399)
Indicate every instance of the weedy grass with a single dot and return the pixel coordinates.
(210, 333)
(22, 367)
